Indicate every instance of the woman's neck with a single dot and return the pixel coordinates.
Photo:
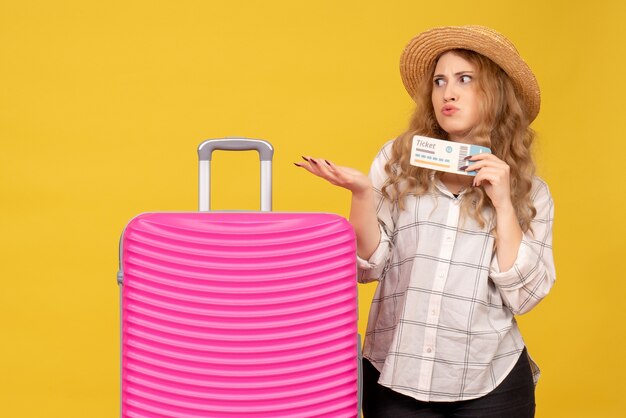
(455, 183)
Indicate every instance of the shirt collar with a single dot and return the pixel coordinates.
(443, 189)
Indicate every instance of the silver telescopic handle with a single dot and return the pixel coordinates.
(205, 152)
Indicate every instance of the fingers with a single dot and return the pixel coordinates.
(309, 164)
(488, 168)
(345, 177)
(314, 162)
(320, 167)
(482, 156)
(480, 162)
(492, 176)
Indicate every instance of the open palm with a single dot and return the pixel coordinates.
(346, 177)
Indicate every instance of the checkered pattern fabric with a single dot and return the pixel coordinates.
(442, 322)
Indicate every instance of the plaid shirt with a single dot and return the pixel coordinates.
(441, 326)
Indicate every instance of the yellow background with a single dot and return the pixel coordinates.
(102, 106)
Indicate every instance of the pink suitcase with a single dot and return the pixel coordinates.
(239, 314)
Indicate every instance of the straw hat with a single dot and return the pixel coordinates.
(426, 47)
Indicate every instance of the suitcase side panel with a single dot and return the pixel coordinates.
(239, 314)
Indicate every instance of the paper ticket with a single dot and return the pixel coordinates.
(438, 154)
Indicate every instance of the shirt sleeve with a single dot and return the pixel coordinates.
(532, 275)
(375, 267)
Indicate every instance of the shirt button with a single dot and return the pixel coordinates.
(448, 238)
(429, 350)
(433, 312)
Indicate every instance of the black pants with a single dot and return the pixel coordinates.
(513, 398)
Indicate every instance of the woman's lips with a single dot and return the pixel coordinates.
(449, 110)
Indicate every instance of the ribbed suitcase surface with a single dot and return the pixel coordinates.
(239, 314)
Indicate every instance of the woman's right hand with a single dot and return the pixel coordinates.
(345, 177)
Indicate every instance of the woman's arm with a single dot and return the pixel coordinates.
(523, 269)
(494, 176)
(532, 275)
(362, 209)
(365, 223)
(508, 236)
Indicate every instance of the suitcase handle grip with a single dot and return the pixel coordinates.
(205, 154)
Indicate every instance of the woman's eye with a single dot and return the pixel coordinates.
(438, 82)
(466, 79)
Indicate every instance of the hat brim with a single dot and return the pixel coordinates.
(426, 47)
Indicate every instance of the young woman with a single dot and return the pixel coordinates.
(456, 257)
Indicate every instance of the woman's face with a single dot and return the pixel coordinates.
(455, 96)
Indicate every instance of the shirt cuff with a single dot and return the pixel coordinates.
(379, 257)
(514, 278)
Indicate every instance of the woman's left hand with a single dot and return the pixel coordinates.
(493, 175)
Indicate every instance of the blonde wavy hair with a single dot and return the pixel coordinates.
(504, 128)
